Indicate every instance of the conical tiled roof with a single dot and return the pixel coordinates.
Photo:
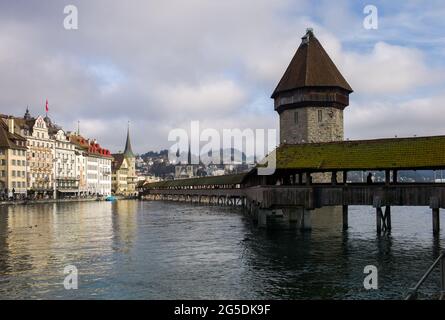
(311, 66)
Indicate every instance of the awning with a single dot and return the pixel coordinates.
(68, 191)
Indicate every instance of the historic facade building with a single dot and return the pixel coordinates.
(124, 177)
(66, 170)
(40, 153)
(38, 158)
(94, 166)
(186, 170)
(12, 160)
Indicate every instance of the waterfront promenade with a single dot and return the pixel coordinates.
(42, 201)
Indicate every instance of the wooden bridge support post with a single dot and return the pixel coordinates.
(436, 220)
(306, 223)
(383, 220)
(379, 217)
(434, 205)
(345, 217)
(387, 217)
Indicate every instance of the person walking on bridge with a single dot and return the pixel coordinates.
(369, 178)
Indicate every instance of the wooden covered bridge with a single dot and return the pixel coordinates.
(314, 175)
(313, 160)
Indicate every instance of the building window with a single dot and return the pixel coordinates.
(320, 115)
(296, 117)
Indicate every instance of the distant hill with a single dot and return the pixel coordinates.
(154, 154)
(227, 154)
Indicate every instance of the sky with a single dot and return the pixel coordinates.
(162, 64)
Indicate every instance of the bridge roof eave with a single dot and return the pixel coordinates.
(234, 179)
(348, 169)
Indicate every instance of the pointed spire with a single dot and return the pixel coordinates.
(128, 152)
(27, 114)
(189, 156)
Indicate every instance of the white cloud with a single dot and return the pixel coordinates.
(204, 99)
(421, 117)
(163, 64)
(388, 69)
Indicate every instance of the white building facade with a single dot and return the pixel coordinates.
(98, 175)
(66, 173)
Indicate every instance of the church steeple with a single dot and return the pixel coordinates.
(27, 115)
(128, 151)
(189, 155)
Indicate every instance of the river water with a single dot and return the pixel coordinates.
(161, 250)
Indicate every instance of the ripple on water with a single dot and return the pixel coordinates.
(158, 250)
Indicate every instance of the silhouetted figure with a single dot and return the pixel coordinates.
(369, 178)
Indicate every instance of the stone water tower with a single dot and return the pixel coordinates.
(311, 96)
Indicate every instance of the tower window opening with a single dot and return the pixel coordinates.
(296, 117)
(320, 115)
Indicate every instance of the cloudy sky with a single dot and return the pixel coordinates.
(162, 64)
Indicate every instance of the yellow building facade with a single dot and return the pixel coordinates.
(13, 164)
(123, 178)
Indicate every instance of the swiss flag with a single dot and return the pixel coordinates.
(46, 106)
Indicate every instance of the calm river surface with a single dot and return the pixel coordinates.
(160, 250)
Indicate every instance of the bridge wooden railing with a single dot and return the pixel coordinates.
(316, 196)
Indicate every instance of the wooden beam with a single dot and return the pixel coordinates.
(345, 217)
(308, 179)
(436, 220)
(394, 176)
(334, 178)
(379, 215)
(387, 177)
(388, 217)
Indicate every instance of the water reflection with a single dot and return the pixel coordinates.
(156, 250)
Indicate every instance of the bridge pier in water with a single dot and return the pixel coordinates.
(293, 218)
(345, 213)
(435, 208)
